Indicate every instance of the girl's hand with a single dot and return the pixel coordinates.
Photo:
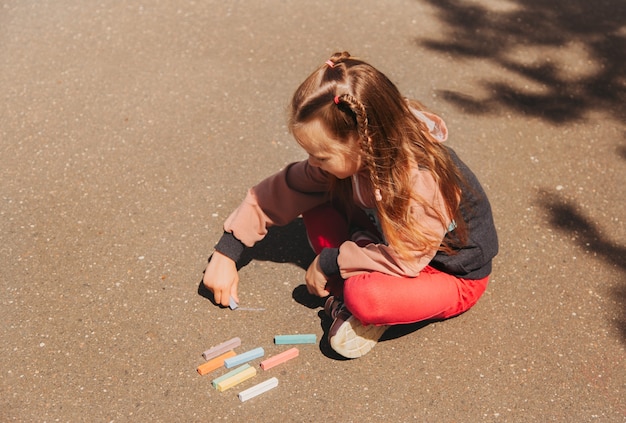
(221, 278)
(316, 279)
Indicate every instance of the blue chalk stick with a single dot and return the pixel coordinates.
(244, 358)
(306, 338)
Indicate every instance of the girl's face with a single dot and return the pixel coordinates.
(341, 159)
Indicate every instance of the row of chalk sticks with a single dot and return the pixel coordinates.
(223, 355)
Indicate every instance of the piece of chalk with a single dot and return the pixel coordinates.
(279, 358)
(236, 379)
(229, 374)
(258, 389)
(244, 357)
(232, 303)
(212, 352)
(215, 363)
(306, 338)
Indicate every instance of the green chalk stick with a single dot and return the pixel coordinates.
(306, 338)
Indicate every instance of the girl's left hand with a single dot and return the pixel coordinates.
(316, 279)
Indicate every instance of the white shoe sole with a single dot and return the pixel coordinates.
(354, 340)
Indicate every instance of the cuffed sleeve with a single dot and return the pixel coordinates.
(328, 261)
(230, 246)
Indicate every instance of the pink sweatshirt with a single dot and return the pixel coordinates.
(299, 187)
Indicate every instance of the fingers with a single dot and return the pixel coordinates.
(225, 300)
(221, 278)
(315, 279)
(222, 298)
(317, 288)
(322, 292)
(234, 294)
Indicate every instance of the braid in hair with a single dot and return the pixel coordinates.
(366, 140)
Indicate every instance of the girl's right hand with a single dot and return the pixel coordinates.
(221, 278)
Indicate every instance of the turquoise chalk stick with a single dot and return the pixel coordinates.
(244, 358)
(306, 338)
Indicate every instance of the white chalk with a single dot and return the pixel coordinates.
(258, 389)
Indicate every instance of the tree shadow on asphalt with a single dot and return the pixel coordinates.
(559, 60)
(566, 217)
(540, 45)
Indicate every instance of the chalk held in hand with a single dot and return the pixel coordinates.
(234, 306)
(244, 358)
(307, 338)
(212, 352)
(280, 358)
(216, 363)
(258, 389)
(232, 303)
(246, 374)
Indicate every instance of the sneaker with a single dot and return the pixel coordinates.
(347, 335)
(331, 306)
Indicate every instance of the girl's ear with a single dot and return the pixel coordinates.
(436, 126)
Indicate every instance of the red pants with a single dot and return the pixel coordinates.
(377, 298)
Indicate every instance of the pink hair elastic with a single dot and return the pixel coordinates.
(336, 99)
(330, 63)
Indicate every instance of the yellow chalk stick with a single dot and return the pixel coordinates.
(236, 379)
(229, 374)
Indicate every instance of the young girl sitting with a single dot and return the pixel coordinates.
(402, 229)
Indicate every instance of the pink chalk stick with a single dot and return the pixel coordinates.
(279, 358)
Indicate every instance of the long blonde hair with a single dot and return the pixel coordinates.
(351, 97)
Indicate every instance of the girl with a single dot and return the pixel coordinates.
(402, 229)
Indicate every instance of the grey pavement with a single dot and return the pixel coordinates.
(129, 131)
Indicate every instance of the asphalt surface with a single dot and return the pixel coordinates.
(129, 131)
